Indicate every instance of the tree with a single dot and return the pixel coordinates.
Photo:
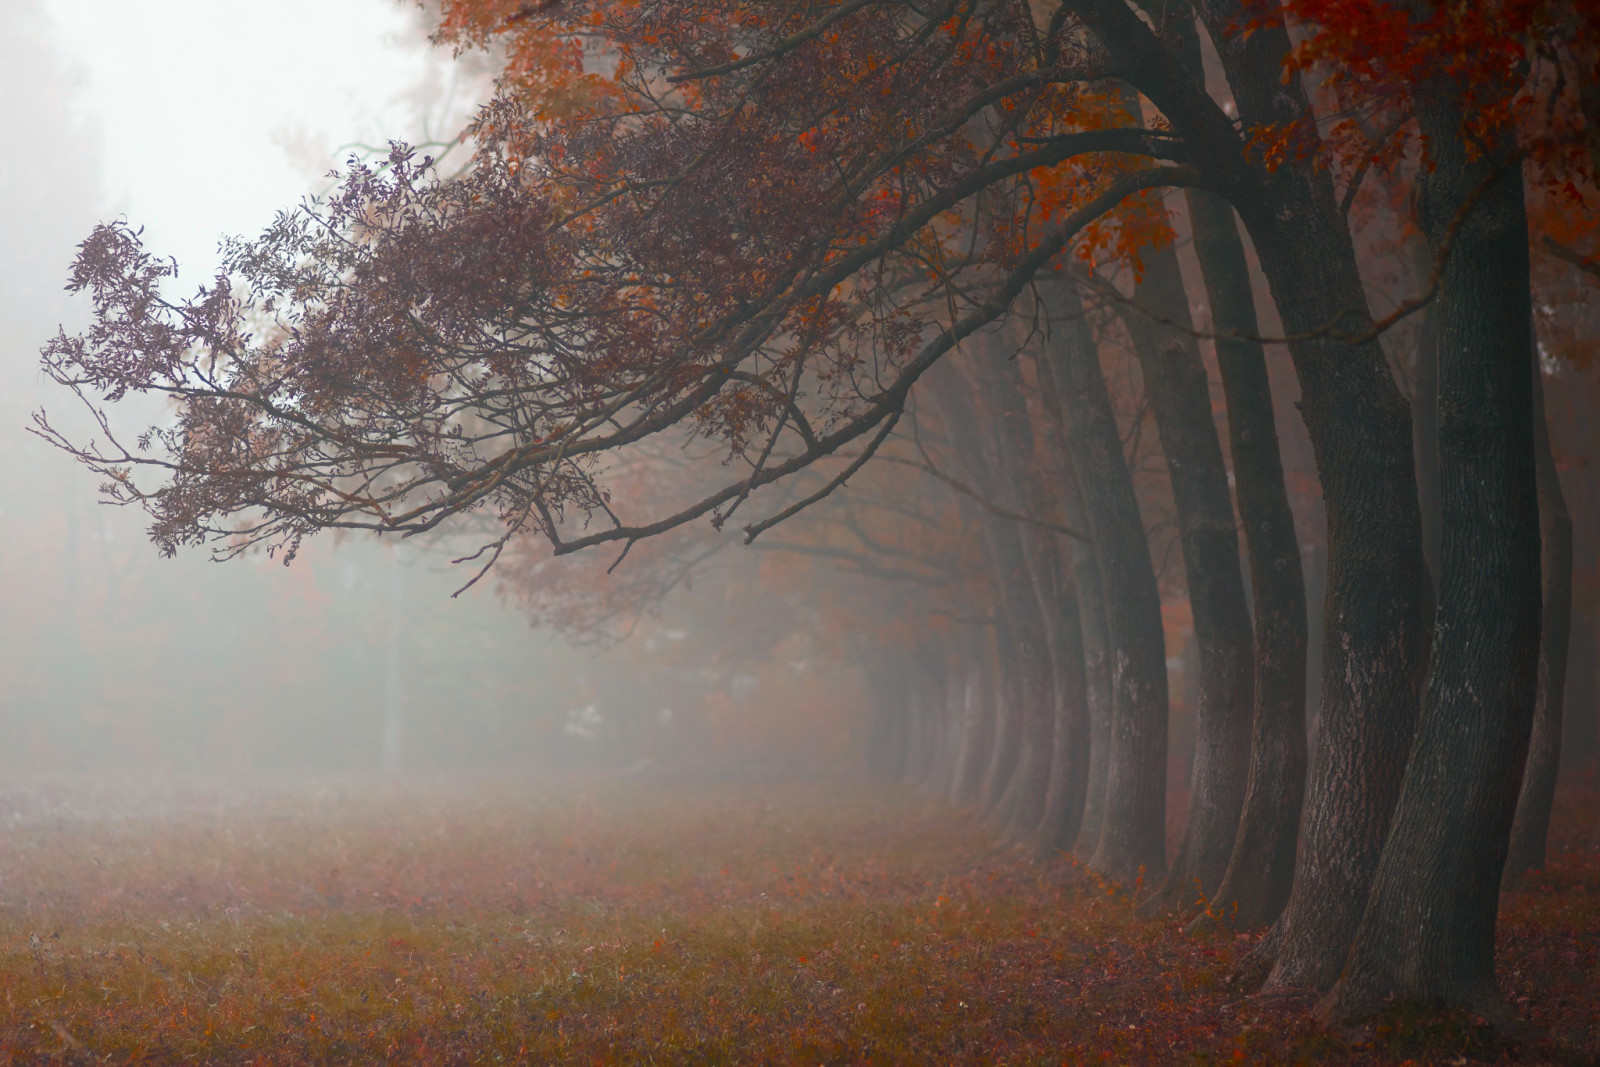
(763, 229)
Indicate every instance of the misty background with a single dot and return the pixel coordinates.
(200, 119)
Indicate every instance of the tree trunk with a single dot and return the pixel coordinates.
(1133, 827)
(1377, 585)
(1064, 776)
(1180, 395)
(1360, 428)
(999, 460)
(1261, 864)
(1086, 628)
(1429, 927)
(1069, 769)
(1532, 825)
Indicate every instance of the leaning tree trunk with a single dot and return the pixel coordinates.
(1021, 807)
(1060, 813)
(1133, 826)
(1069, 775)
(1532, 825)
(1261, 864)
(1085, 676)
(1429, 929)
(1375, 639)
(1180, 396)
(996, 460)
(1360, 428)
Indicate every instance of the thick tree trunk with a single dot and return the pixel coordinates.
(1096, 671)
(1532, 825)
(1087, 628)
(999, 459)
(1060, 811)
(1360, 428)
(1429, 927)
(1069, 771)
(1133, 827)
(1180, 395)
(1261, 864)
(1022, 807)
(1374, 634)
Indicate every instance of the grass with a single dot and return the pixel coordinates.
(614, 921)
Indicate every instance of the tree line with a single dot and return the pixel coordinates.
(821, 241)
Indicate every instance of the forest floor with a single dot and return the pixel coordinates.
(599, 921)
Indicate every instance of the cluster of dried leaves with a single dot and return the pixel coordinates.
(621, 921)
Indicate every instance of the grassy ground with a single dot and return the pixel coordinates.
(653, 922)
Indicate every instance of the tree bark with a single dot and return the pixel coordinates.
(1428, 931)
(1069, 767)
(1360, 429)
(1532, 825)
(1260, 866)
(1133, 827)
(1377, 586)
(1064, 777)
(999, 458)
(1087, 628)
(1180, 396)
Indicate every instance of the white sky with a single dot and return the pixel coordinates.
(196, 101)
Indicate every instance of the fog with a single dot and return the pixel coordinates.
(199, 120)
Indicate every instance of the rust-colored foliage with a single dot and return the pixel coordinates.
(757, 226)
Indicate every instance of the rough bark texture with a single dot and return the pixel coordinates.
(1532, 824)
(1261, 865)
(1429, 927)
(1132, 831)
(1360, 429)
(1083, 623)
(1375, 638)
(1180, 396)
